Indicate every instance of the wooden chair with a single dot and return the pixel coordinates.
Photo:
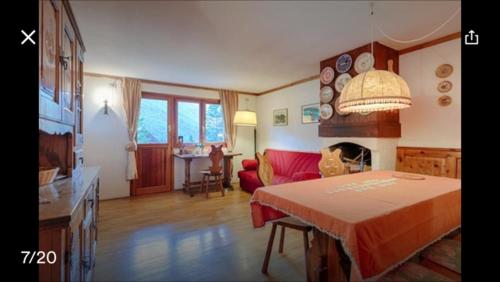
(216, 155)
(331, 163)
(265, 174)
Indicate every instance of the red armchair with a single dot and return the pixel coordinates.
(288, 166)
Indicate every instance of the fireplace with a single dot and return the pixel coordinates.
(354, 156)
(380, 153)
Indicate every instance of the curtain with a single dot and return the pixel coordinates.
(131, 103)
(229, 103)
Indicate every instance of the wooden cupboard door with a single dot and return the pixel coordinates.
(49, 96)
(52, 240)
(425, 165)
(87, 247)
(459, 168)
(67, 92)
(79, 98)
(429, 161)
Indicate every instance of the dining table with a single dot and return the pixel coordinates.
(188, 158)
(364, 224)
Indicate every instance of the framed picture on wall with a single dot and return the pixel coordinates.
(310, 113)
(280, 117)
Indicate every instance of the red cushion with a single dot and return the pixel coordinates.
(288, 166)
(249, 164)
(280, 179)
(305, 175)
(286, 163)
(249, 180)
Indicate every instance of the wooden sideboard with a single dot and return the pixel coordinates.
(430, 161)
(68, 226)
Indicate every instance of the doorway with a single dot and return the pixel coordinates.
(154, 145)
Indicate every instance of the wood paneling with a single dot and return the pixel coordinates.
(376, 124)
(300, 81)
(430, 161)
(431, 43)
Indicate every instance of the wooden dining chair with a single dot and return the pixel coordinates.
(265, 174)
(331, 163)
(215, 170)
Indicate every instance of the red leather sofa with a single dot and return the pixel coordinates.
(288, 166)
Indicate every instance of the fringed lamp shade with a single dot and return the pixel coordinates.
(375, 90)
(245, 118)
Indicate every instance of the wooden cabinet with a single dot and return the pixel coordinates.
(60, 54)
(72, 236)
(430, 161)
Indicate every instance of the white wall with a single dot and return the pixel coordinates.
(106, 135)
(425, 123)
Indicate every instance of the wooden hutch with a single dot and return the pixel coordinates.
(68, 207)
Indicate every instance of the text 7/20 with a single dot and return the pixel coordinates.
(42, 257)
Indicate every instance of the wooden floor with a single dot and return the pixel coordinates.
(172, 237)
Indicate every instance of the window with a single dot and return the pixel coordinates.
(153, 120)
(199, 121)
(214, 123)
(188, 121)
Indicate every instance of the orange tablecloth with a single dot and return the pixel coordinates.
(380, 219)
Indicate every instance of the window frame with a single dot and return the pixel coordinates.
(169, 100)
(202, 111)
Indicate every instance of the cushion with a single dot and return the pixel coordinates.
(286, 163)
(280, 179)
(447, 253)
(249, 164)
(249, 180)
(305, 175)
(412, 272)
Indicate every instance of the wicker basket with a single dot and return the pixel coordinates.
(46, 176)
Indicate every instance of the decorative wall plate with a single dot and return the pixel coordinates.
(444, 70)
(326, 111)
(344, 63)
(364, 62)
(444, 100)
(341, 81)
(326, 94)
(444, 86)
(337, 110)
(327, 75)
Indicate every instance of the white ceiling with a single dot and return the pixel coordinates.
(248, 46)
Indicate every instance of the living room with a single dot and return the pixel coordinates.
(186, 116)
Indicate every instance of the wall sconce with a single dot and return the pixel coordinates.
(106, 106)
(107, 96)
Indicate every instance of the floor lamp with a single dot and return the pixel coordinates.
(247, 118)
